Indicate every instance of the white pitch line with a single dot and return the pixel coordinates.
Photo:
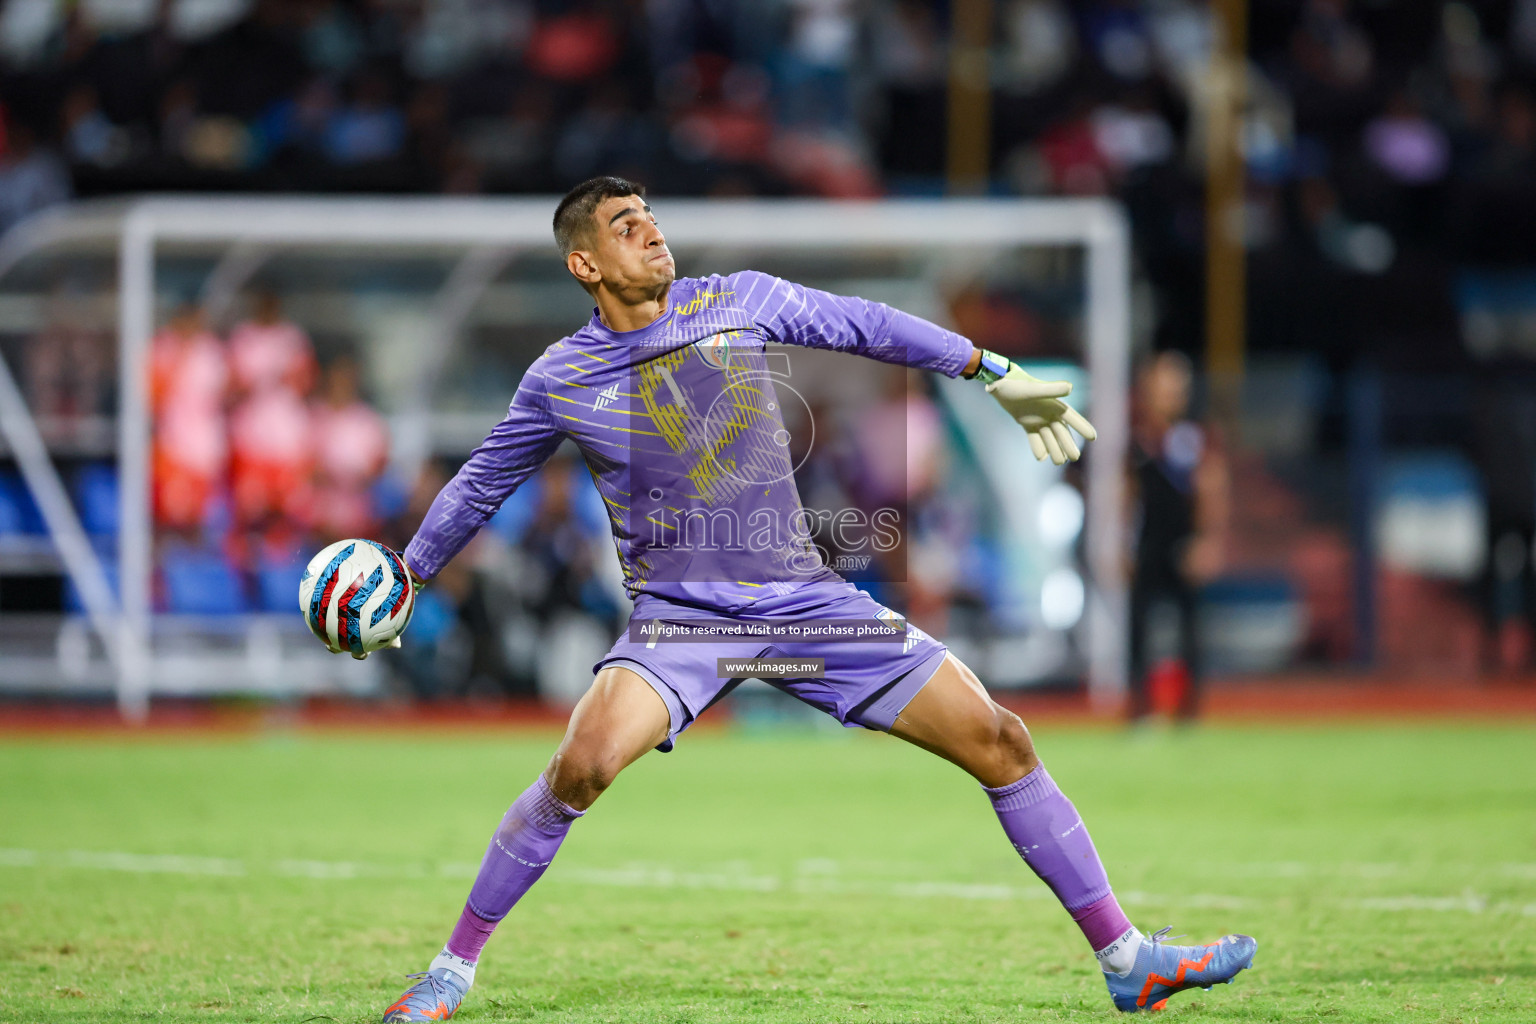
(1357, 869)
(18, 858)
(151, 864)
(818, 877)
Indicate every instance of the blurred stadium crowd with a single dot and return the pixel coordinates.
(1388, 143)
(1360, 110)
(1391, 160)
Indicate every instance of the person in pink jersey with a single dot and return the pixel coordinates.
(269, 351)
(351, 444)
(189, 389)
(272, 366)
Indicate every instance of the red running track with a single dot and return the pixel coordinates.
(1296, 700)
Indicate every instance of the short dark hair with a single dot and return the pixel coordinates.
(573, 217)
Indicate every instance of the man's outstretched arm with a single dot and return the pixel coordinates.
(514, 451)
(793, 314)
(797, 315)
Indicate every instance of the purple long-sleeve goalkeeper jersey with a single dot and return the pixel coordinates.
(681, 428)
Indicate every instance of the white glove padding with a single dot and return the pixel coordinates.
(1037, 406)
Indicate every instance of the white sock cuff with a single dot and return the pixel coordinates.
(1120, 956)
(458, 965)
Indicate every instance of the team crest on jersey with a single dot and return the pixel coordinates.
(914, 636)
(714, 350)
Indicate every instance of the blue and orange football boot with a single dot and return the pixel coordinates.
(1162, 970)
(435, 996)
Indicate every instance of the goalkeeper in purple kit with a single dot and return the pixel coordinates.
(667, 394)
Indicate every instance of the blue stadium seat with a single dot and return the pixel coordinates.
(277, 586)
(95, 491)
(1431, 515)
(1252, 623)
(512, 520)
(432, 618)
(10, 517)
(202, 583)
(18, 512)
(390, 497)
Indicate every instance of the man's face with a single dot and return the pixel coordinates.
(628, 251)
(1167, 387)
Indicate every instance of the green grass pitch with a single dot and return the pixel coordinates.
(1389, 873)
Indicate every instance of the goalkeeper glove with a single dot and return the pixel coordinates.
(1037, 406)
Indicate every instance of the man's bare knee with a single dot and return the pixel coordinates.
(619, 719)
(953, 717)
(579, 774)
(1013, 752)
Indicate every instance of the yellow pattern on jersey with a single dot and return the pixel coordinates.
(713, 475)
(703, 300)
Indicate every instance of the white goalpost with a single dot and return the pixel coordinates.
(482, 236)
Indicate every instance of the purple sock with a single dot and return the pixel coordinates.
(521, 849)
(1050, 835)
(470, 935)
(1102, 922)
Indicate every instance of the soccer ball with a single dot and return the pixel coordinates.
(356, 596)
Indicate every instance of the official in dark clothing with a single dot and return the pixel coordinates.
(1180, 487)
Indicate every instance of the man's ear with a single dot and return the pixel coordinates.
(582, 268)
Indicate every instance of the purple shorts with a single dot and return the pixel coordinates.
(864, 684)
